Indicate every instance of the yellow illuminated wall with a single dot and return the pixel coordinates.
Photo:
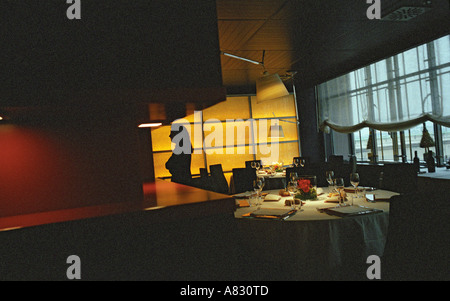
(232, 132)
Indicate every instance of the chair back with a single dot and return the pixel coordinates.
(341, 170)
(203, 172)
(243, 179)
(417, 240)
(218, 181)
(369, 175)
(399, 177)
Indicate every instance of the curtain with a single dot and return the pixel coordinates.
(394, 94)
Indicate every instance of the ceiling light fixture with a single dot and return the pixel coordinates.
(269, 86)
(150, 125)
(276, 131)
(241, 58)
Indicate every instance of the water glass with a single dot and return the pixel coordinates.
(292, 188)
(340, 188)
(293, 177)
(254, 200)
(302, 162)
(354, 180)
(330, 178)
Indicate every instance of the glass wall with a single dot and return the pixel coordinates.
(232, 132)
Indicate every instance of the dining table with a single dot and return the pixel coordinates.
(315, 239)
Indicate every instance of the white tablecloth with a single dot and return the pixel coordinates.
(311, 242)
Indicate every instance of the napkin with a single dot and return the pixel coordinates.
(334, 197)
(272, 198)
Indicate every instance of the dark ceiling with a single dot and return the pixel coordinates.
(138, 50)
(169, 50)
(320, 39)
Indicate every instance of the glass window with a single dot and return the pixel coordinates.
(392, 97)
(362, 146)
(232, 132)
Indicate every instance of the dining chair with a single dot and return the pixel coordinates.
(203, 181)
(369, 175)
(399, 177)
(203, 172)
(217, 180)
(417, 240)
(341, 169)
(243, 179)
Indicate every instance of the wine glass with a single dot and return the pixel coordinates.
(257, 188)
(296, 162)
(302, 162)
(292, 185)
(293, 176)
(257, 165)
(258, 184)
(339, 182)
(354, 180)
(330, 178)
(261, 182)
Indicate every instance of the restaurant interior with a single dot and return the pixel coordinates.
(87, 107)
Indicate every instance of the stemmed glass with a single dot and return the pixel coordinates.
(330, 178)
(256, 165)
(292, 185)
(261, 182)
(293, 176)
(339, 182)
(296, 162)
(302, 162)
(258, 185)
(354, 180)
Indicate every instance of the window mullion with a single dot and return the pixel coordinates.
(436, 105)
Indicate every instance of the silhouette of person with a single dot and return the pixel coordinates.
(179, 164)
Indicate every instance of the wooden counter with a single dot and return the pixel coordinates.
(441, 173)
(177, 232)
(437, 183)
(189, 202)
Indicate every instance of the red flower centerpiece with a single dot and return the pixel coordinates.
(307, 188)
